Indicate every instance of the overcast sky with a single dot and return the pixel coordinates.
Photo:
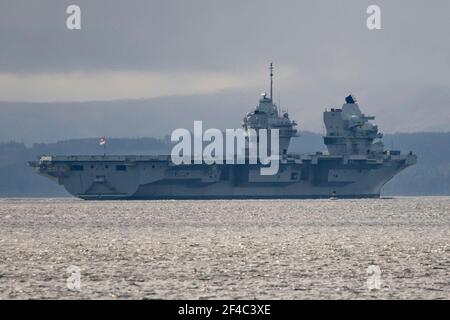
(205, 50)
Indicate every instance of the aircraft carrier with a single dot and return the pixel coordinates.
(356, 165)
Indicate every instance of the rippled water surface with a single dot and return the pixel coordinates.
(284, 249)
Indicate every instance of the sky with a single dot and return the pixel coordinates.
(143, 68)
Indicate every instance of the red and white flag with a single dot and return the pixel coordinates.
(102, 141)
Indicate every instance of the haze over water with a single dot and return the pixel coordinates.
(286, 249)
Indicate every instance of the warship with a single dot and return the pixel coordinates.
(355, 165)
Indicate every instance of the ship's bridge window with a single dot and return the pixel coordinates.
(121, 167)
(76, 167)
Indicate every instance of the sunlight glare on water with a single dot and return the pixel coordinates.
(263, 249)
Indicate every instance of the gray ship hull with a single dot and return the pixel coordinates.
(155, 177)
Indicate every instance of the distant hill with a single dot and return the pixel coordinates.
(430, 176)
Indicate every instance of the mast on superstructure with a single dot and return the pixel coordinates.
(271, 81)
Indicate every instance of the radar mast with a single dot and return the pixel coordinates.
(271, 81)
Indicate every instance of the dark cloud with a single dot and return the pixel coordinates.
(322, 51)
(314, 35)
